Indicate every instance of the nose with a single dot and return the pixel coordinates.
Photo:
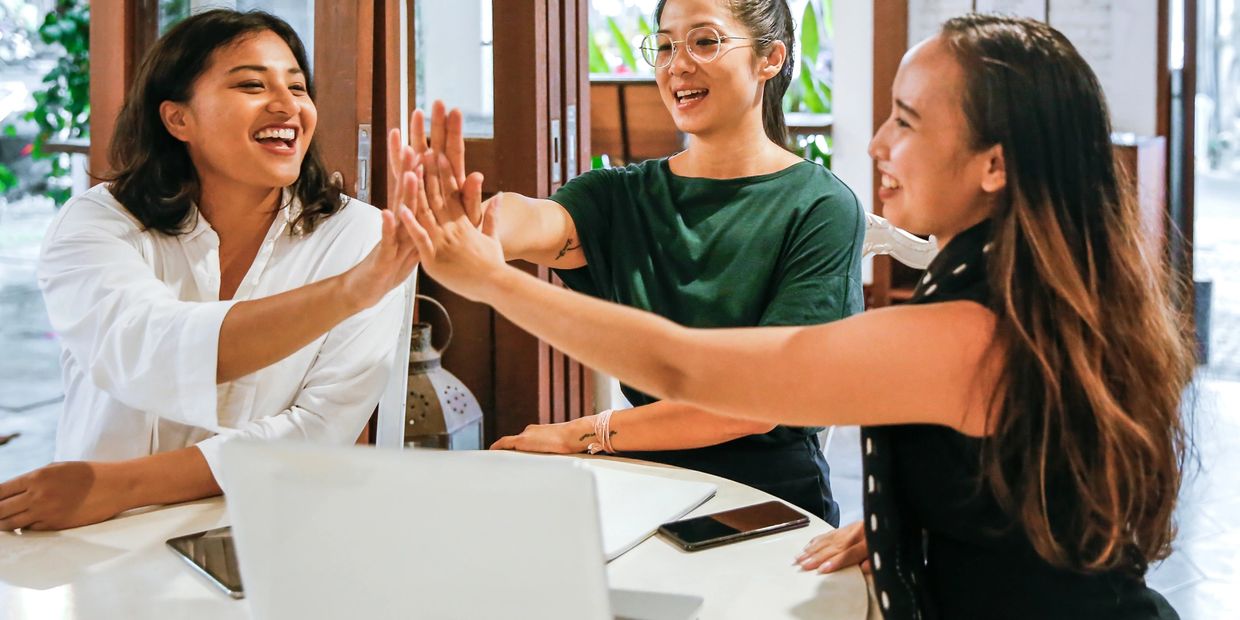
(682, 61)
(879, 149)
(283, 101)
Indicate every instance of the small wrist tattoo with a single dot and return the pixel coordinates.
(568, 247)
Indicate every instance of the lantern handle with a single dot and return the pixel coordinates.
(446, 318)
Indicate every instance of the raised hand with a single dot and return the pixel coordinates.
(447, 137)
(454, 251)
(389, 263)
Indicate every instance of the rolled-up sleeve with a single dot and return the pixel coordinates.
(136, 341)
(341, 388)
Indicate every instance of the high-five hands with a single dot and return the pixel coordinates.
(447, 137)
(457, 253)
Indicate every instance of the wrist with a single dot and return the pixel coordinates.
(580, 433)
(341, 294)
(121, 483)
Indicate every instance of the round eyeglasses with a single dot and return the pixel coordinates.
(703, 44)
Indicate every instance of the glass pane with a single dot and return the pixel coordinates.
(171, 12)
(454, 55)
(298, 13)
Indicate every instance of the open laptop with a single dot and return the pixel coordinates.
(366, 533)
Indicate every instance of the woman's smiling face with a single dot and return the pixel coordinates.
(249, 118)
(933, 179)
(707, 97)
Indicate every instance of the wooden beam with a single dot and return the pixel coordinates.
(112, 67)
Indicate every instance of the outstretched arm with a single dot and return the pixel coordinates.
(920, 364)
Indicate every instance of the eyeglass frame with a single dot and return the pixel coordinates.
(676, 45)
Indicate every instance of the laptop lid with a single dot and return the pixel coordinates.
(364, 533)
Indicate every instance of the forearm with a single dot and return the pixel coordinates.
(165, 478)
(639, 347)
(667, 425)
(536, 231)
(258, 333)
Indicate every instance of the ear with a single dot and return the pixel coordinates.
(994, 176)
(176, 119)
(774, 61)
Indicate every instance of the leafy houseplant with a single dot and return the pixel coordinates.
(62, 107)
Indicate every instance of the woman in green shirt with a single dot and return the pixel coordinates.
(734, 231)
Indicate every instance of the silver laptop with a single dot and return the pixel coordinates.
(366, 533)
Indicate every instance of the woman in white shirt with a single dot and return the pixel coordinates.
(219, 287)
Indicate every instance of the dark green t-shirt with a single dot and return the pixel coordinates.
(776, 249)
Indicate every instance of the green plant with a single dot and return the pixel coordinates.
(613, 41)
(811, 92)
(62, 106)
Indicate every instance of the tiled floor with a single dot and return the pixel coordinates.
(1201, 578)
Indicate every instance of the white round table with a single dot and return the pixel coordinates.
(122, 569)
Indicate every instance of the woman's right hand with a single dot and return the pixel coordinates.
(836, 549)
(387, 266)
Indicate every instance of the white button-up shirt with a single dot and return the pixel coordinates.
(138, 314)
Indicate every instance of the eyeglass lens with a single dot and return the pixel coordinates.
(702, 44)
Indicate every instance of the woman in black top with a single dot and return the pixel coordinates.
(1023, 440)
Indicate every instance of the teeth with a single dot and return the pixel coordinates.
(282, 133)
(890, 183)
(681, 94)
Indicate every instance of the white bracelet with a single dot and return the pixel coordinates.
(602, 433)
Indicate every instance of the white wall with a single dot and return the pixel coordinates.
(853, 99)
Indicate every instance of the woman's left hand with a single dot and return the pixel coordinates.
(453, 251)
(562, 438)
(60, 496)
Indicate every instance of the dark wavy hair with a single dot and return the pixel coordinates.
(767, 21)
(152, 175)
(1089, 434)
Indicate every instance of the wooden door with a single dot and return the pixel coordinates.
(539, 139)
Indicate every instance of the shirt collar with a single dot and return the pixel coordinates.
(289, 210)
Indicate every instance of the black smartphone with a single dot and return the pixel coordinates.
(212, 554)
(734, 525)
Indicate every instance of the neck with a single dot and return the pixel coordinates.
(945, 238)
(233, 208)
(739, 151)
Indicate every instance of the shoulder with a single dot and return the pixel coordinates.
(355, 222)
(94, 210)
(829, 192)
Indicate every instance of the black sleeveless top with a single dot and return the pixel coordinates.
(940, 545)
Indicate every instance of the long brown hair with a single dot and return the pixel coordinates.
(1088, 442)
(152, 175)
(767, 21)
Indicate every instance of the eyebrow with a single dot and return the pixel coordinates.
(908, 108)
(259, 69)
(697, 25)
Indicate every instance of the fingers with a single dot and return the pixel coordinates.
(15, 505)
(438, 126)
(471, 194)
(395, 149)
(490, 219)
(13, 487)
(388, 243)
(434, 191)
(505, 443)
(455, 144)
(20, 520)
(452, 198)
(832, 551)
(417, 131)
